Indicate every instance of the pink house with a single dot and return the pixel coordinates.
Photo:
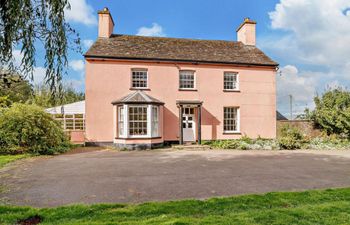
(142, 92)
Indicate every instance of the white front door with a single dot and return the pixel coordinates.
(188, 125)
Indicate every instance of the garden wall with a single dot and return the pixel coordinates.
(305, 126)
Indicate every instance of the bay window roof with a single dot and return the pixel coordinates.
(138, 97)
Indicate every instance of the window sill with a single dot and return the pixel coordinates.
(141, 89)
(228, 90)
(184, 89)
(132, 138)
(231, 132)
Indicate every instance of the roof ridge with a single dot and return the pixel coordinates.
(145, 96)
(175, 38)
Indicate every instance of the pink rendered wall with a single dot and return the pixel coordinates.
(105, 25)
(110, 80)
(247, 34)
(77, 137)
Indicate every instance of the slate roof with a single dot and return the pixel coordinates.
(177, 49)
(280, 116)
(138, 97)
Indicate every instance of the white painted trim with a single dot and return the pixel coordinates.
(237, 81)
(149, 121)
(143, 70)
(194, 121)
(194, 80)
(126, 121)
(148, 117)
(238, 120)
(115, 122)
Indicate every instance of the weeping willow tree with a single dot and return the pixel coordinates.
(27, 24)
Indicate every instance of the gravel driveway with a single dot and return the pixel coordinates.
(111, 176)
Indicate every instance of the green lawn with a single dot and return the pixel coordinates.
(310, 207)
(5, 159)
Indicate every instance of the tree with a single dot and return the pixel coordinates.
(42, 96)
(25, 23)
(13, 88)
(332, 112)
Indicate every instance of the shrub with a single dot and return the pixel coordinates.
(244, 143)
(291, 138)
(28, 128)
(332, 112)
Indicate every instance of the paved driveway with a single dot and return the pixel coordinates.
(110, 176)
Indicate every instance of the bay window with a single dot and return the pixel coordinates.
(138, 121)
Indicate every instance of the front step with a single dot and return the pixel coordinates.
(191, 147)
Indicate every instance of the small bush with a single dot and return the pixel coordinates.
(291, 138)
(244, 143)
(28, 128)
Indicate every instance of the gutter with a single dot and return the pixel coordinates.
(178, 60)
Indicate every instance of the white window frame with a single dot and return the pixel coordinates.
(237, 81)
(119, 124)
(238, 120)
(150, 123)
(147, 121)
(194, 80)
(154, 124)
(132, 79)
(74, 121)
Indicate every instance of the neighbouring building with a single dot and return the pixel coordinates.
(72, 118)
(144, 91)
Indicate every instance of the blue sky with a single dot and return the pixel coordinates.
(309, 38)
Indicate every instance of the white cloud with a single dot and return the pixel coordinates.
(81, 12)
(156, 30)
(87, 43)
(300, 85)
(315, 38)
(77, 65)
(318, 30)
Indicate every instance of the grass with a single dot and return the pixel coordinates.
(5, 159)
(330, 206)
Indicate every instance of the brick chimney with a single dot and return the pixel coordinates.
(105, 23)
(246, 32)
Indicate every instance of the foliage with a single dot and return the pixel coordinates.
(5, 159)
(244, 143)
(330, 142)
(328, 207)
(13, 88)
(332, 112)
(27, 23)
(29, 129)
(307, 115)
(42, 96)
(291, 138)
